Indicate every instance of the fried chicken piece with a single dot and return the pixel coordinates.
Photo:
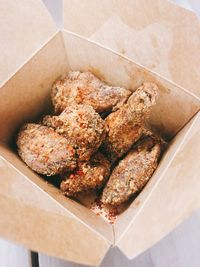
(44, 150)
(85, 88)
(82, 126)
(88, 175)
(125, 126)
(156, 138)
(132, 172)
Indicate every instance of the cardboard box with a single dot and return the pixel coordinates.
(33, 212)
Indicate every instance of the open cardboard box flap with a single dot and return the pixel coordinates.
(33, 212)
(24, 26)
(169, 198)
(157, 34)
(61, 226)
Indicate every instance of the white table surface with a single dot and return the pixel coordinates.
(181, 248)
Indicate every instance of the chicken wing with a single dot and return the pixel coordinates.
(88, 175)
(124, 126)
(132, 172)
(82, 126)
(44, 150)
(85, 88)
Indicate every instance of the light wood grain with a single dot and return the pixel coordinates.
(12, 255)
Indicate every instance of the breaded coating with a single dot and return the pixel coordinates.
(44, 150)
(82, 126)
(132, 173)
(124, 126)
(156, 138)
(85, 88)
(89, 175)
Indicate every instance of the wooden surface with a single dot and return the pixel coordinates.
(181, 248)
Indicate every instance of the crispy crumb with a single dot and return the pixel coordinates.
(109, 213)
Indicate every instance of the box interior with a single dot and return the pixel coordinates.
(174, 109)
(30, 90)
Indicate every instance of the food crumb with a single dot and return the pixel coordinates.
(107, 212)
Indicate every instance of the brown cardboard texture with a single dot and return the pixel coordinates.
(24, 26)
(34, 213)
(173, 190)
(157, 34)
